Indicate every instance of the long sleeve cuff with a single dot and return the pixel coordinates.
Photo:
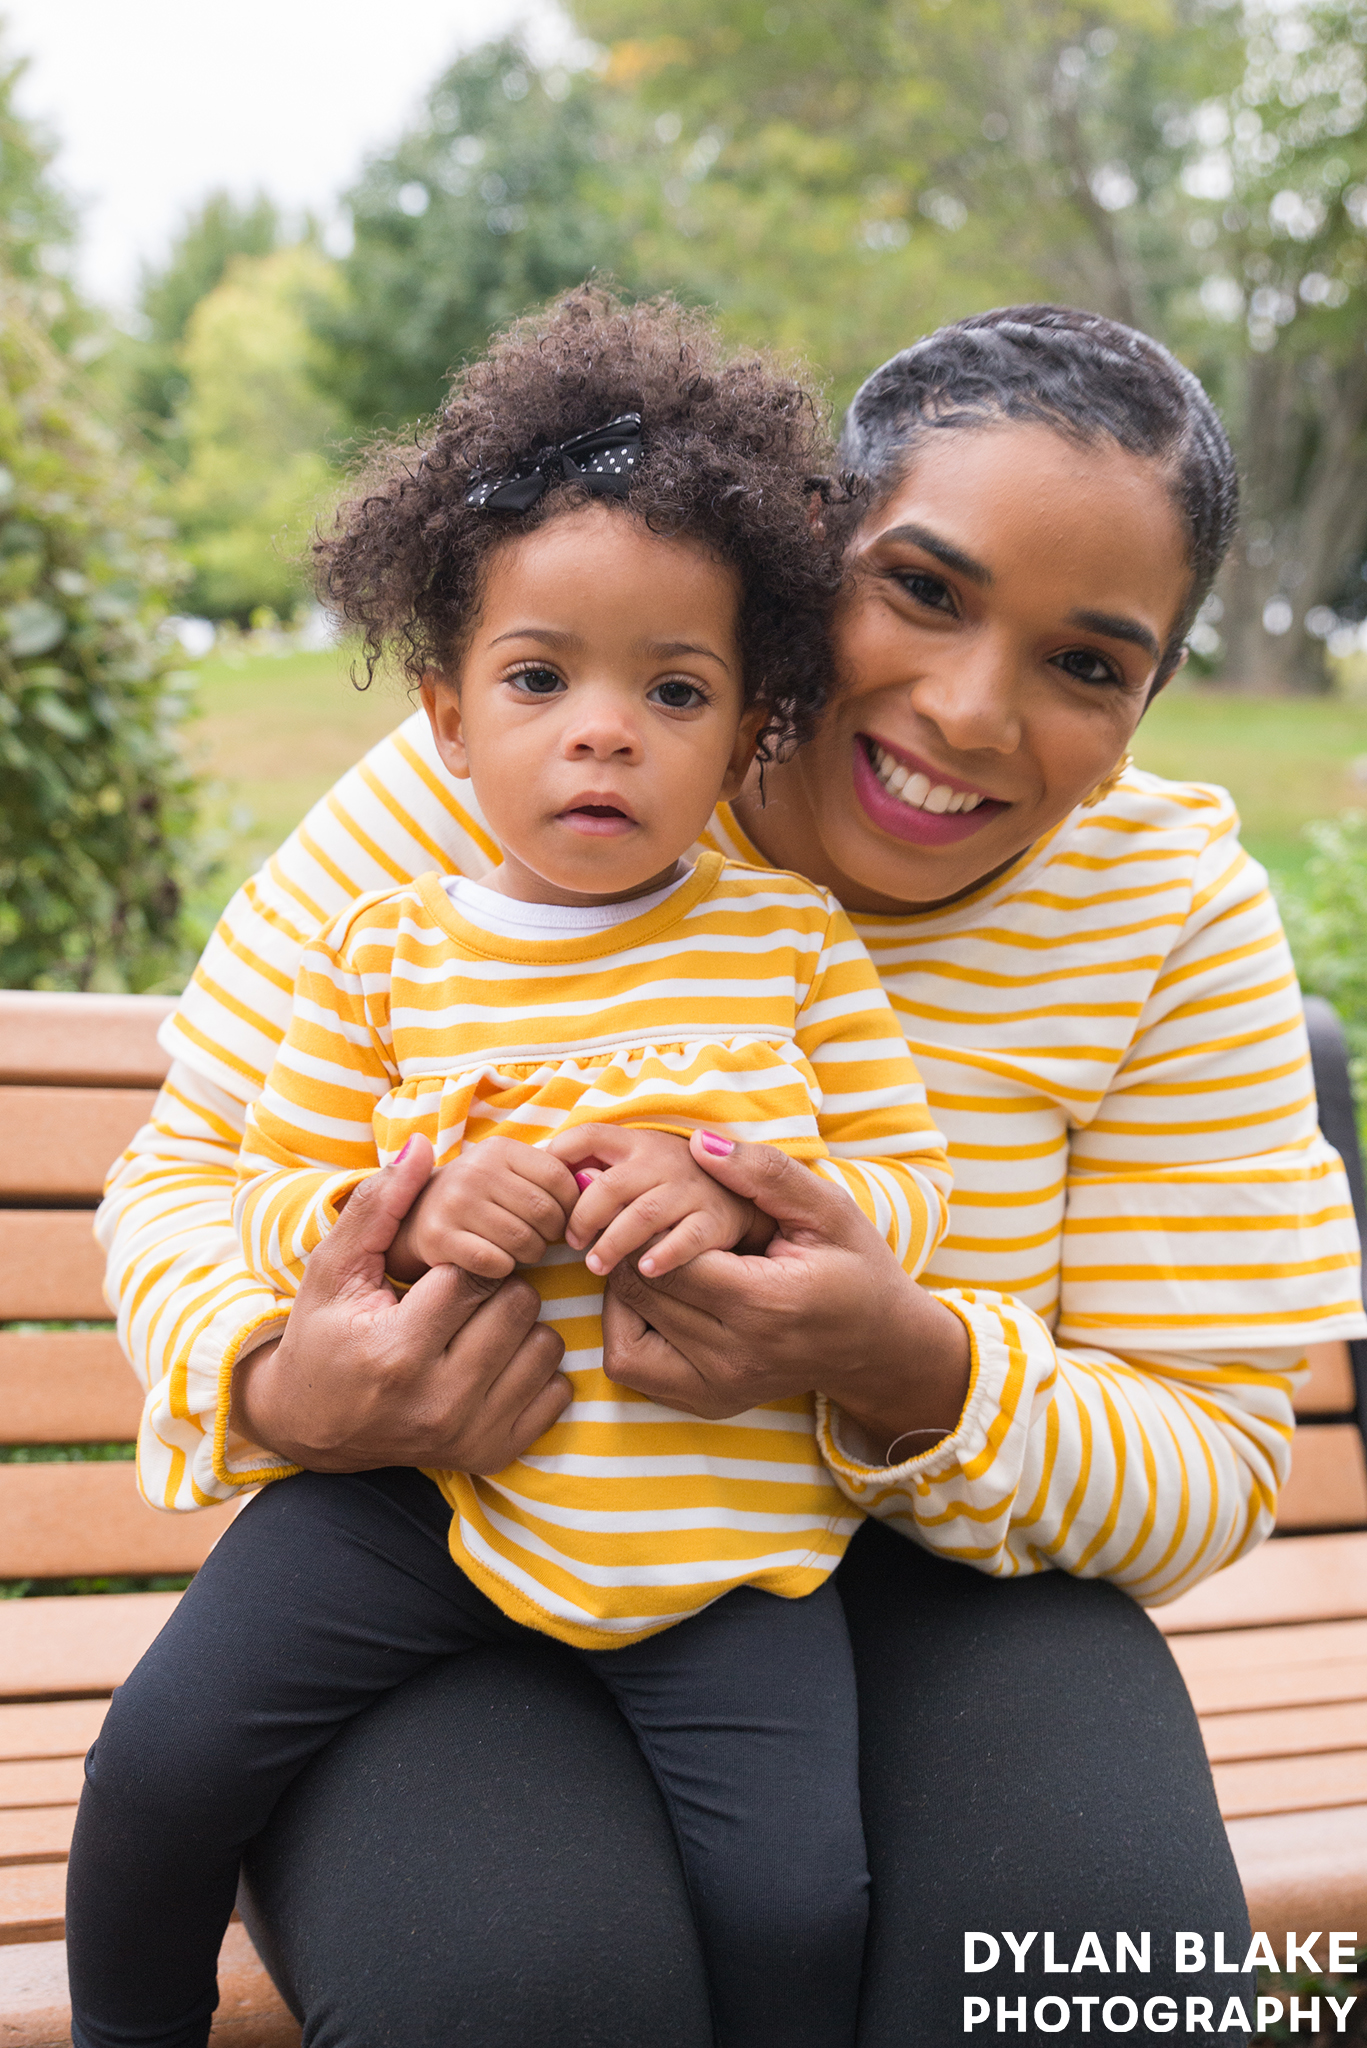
(1150, 1470)
(188, 1455)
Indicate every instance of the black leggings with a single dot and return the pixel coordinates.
(483, 1856)
(329, 1592)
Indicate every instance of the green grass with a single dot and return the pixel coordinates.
(276, 731)
(273, 735)
(1284, 759)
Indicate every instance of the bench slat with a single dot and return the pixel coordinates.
(32, 1902)
(51, 1269)
(47, 1781)
(66, 1387)
(58, 1143)
(1285, 1731)
(1291, 1784)
(84, 1644)
(86, 1041)
(1275, 1667)
(35, 2011)
(36, 1834)
(42, 1782)
(59, 1521)
(1329, 1389)
(1304, 1870)
(1296, 1578)
(1327, 1486)
(57, 1728)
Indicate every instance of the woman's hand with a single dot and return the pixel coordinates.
(827, 1309)
(457, 1374)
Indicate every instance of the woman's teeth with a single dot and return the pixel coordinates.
(915, 790)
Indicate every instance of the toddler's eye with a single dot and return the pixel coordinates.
(538, 682)
(677, 696)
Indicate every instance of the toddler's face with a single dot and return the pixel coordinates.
(598, 707)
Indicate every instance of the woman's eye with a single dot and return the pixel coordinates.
(538, 682)
(1088, 666)
(678, 696)
(927, 589)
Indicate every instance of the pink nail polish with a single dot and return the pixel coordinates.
(405, 1152)
(718, 1147)
(583, 1180)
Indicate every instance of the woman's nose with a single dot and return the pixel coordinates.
(974, 697)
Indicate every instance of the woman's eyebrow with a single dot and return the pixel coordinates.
(943, 551)
(1117, 628)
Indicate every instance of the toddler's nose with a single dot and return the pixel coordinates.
(603, 734)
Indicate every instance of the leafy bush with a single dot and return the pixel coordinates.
(97, 810)
(1326, 921)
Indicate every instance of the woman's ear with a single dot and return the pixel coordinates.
(441, 702)
(743, 752)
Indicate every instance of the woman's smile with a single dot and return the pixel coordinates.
(913, 799)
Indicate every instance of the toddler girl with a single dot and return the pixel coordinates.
(602, 571)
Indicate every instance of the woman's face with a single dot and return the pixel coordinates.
(996, 648)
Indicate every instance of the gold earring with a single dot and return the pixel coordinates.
(1112, 781)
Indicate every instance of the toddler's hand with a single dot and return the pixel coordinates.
(644, 1188)
(495, 1207)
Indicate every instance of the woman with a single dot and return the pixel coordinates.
(1095, 1396)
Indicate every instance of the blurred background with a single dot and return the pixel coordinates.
(234, 243)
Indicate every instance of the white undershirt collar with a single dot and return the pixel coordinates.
(508, 918)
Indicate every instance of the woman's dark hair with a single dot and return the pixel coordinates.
(729, 449)
(1086, 377)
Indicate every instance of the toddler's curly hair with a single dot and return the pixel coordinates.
(732, 451)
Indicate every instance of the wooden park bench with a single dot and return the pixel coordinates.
(1274, 1650)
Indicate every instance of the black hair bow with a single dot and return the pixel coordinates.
(601, 460)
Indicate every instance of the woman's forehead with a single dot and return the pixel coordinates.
(1016, 499)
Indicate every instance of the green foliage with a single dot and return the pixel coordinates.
(847, 172)
(256, 429)
(210, 238)
(37, 224)
(96, 808)
(67, 1454)
(47, 1589)
(1325, 911)
(497, 199)
(35, 221)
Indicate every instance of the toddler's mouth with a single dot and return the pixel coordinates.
(598, 820)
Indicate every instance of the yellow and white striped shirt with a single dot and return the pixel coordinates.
(1146, 1228)
(742, 1002)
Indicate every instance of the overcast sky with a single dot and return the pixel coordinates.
(156, 102)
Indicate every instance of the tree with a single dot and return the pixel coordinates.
(210, 237)
(845, 174)
(498, 198)
(256, 430)
(96, 807)
(1273, 180)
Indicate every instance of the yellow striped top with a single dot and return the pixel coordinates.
(1145, 1232)
(743, 1002)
